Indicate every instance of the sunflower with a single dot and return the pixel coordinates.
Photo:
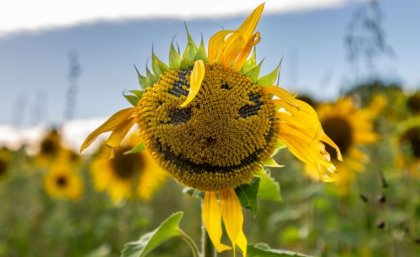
(126, 174)
(62, 182)
(413, 103)
(350, 128)
(212, 122)
(51, 149)
(408, 145)
(5, 158)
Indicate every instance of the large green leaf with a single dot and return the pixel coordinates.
(167, 230)
(247, 194)
(269, 188)
(263, 250)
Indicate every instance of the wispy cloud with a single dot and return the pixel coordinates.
(17, 15)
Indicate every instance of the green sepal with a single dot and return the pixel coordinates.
(201, 53)
(143, 81)
(132, 99)
(136, 149)
(270, 78)
(174, 57)
(150, 77)
(269, 188)
(186, 63)
(250, 63)
(193, 192)
(247, 195)
(158, 66)
(191, 49)
(272, 163)
(137, 93)
(254, 72)
(264, 250)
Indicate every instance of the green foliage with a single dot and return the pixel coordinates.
(136, 149)
(263, 250)
(168, 229)
(247, 194)
(269, 188)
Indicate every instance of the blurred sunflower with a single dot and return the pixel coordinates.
(5, 158)
(126, 174)
(62, 182)
(408, 141)
(52, 150)
(413, 103)
(350, 128)
(212, 122)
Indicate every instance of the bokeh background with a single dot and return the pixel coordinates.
(64, 67)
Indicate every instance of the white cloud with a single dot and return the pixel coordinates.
(16, 15)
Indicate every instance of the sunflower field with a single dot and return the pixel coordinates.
(212, 158)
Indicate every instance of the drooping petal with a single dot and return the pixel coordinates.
(233, 219)
(212, 219)
(111, 124)
(246, 50)
(197, 76)
(302, 132)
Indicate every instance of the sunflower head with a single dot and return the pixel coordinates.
(126, 175)
(413, 103)
(62, 182)
(410, 140)
(50, 145)
(212, 121)
(5, 158)
(350, 127)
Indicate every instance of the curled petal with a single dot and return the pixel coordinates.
(197, 76)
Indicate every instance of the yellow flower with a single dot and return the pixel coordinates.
(51, 150)
(408, 146)
(61, 181)
(212, 122)
(126, 175)
(5, 158)
(350, 128)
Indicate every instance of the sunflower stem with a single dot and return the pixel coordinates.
(208, 249)
(191, 243)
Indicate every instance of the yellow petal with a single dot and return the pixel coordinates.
(248, 26)
(216, 45)
(232, 218)
(117, 119)
(196, 78)
(234, 45)
(119, 133)
(255, 39)
(212, 219)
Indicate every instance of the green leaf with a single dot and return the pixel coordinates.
(136, 149)
(263, 250)
(269, 79)
(150, 77)
(247, 194)
(174, 57)
(193, 192)
(269, 188)
(167, 230)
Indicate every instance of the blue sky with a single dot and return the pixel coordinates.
(34, 65)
